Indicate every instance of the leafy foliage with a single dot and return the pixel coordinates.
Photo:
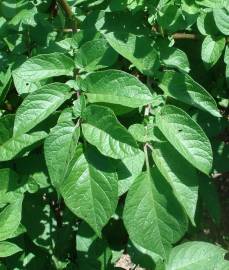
(113, 128)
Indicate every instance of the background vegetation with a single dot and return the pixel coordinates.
(114, 134)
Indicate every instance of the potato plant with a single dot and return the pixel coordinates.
(113, 133)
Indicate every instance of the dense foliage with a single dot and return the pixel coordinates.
(113, 124)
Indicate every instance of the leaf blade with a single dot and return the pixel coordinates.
(186, 136)
(38, 105)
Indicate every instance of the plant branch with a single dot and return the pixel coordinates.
(146, 157)
(65, 6)
(67, 9)
(190, 36)
(180, 36)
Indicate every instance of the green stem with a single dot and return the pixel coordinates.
(146, 157)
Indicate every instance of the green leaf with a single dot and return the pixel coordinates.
(116, 87)
(226, 55)
(221, 16)
(95, 54)
(144, 257)
(128, 169)
(180, 174)
(151, 206)
(92, 252)
(182, 87)
(45, 66)
(90, 190)
(59, 149)
(212, 49)
(15, 145)
(10, 218)
(195, 255)
(38, 105)
(102, 129)
(186, 136)
(212, 3)
(8, 249)
(130, 40)
(173, 57)
(206, 24)
(170, 17)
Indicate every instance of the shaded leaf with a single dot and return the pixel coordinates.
(59, 148)
(91, 189)
(180, 174)
(182, 87)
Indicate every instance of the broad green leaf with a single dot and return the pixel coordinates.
(90, 190)
(186, 136)
(128, 169)
(212, 49)
(144, 257)
(221, 16)
(38, 105)
(125, 36)
(116, 87)
(92, 252)
(143, 133)
(152, 216)
(59, 149)
(15, 145)
(24, 87)
(173, 57)
(170, 17)
(95, 54)
(180, 174)
(206, 24)
(8, 249)
(195, 255)
(212, 3)
(102, 129)
(10, 218)
(223, 265)
(140, 133)
(182, 87)
(45, 66)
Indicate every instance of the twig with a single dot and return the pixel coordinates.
(186, 36)
(180, 36)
